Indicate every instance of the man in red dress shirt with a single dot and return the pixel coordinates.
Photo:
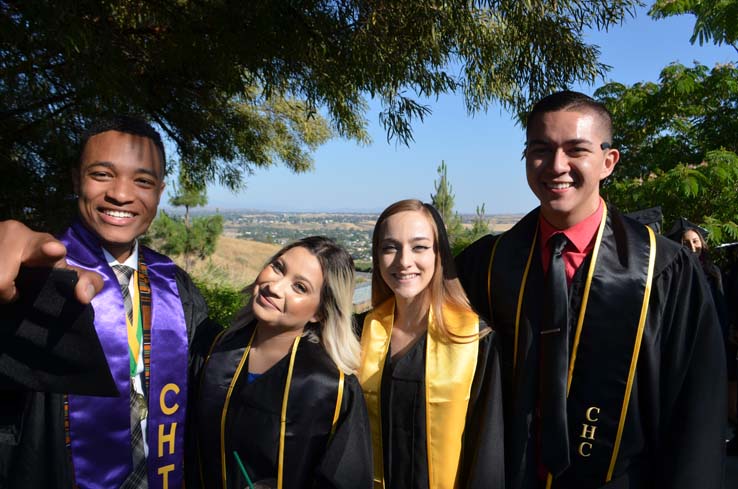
(619, 379)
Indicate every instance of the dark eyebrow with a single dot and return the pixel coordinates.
(305, 279)
(578, 141)
(106, 164)
(417, 238)
(111, 166)
(567, 142)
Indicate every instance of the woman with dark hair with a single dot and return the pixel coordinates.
(692, 236)
(429, 365)
(275, 401)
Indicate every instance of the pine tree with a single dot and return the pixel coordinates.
(443, 201)
(193, 238)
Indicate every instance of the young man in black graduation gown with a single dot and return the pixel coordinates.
(53, 440)
(635, 361)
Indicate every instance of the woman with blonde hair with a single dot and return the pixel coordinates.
(276, 401)
(429, 365)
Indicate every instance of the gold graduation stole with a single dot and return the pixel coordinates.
(449, 372)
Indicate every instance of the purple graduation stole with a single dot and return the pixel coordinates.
(100, 427)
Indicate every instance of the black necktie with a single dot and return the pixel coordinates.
(555, 362)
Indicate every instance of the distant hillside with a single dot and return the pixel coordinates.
(236, 262)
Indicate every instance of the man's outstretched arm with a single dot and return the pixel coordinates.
(21, 246)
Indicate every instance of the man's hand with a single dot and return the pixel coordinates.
(20, 246)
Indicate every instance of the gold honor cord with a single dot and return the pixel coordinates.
(489, 277)
(585, 296)
(227, 402)
(283, 418)
(339, 400)
(636, 351)
(519, 308)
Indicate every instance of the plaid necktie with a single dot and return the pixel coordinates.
(137, 478)
(124, 273)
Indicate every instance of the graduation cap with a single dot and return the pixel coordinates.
(651, 217)
(48, 341)
(682, 225)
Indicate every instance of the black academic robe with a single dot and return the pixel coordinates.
(672, 434)
(403, 417)
(32, 445)
(313, 456)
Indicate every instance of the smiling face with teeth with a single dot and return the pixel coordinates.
(407, 255)
(565, 163)
(119, 183)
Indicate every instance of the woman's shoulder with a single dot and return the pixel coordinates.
(488, 335)
(314, 360)
(359, 322)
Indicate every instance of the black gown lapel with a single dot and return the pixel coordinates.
(519, 365)
(310, 411)
(609, 339)
(604, 351)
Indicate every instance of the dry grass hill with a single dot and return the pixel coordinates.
(235, 262)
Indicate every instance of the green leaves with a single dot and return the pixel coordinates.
(716, 20)
(706, 194)
(657, 125)
(459, 236)
(240, 85)
(223, 301)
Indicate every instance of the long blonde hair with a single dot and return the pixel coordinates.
(444, 287)
(335, 311)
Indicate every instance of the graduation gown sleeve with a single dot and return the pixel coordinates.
(684, 376)
(33, 452)
(347, 459)
(482, 459)
(472, 265)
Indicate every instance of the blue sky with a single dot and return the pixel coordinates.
(482, 152)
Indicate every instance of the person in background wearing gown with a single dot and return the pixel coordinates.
(429, 366)
(692, 237)
(623, 386)
(275, 402)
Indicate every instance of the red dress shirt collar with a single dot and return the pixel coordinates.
(581, 240)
